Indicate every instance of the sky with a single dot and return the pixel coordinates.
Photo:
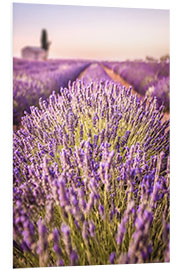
(101, 33)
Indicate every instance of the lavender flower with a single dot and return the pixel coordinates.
(66, 238)
(42, 244)
(112, 257)
(92, 228)
(62, 192)
(28, 233)
(85, 232)
(101, 210)
(74, 257)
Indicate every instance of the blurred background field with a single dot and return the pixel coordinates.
(33, 79)
(56, 44)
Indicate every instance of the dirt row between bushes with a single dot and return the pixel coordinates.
(118, 78)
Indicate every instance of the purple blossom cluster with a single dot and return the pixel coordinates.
(35, 79)
(91, 179)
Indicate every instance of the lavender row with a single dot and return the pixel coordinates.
(33, 79)
(144, 75)
(95, 73)
(34, 67)
(91, 179)
(161, 90)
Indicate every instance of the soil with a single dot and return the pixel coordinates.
(118, 78)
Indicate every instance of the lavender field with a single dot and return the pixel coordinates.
(91, 163)
(147, 77)
(33, 80)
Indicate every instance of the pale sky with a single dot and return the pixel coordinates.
(100, 33)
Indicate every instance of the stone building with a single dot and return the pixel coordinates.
(34, 53)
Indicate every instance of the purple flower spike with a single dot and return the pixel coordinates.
(92, 228)
(65, 229)
(66, 238)
(112, 257)
(63, 196)
(74, 257)
(56, 246)
(101, 210)
(85, 231)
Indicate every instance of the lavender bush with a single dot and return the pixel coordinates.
(35, 79)
(91, 179)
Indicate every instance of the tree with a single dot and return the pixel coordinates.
(44, 40)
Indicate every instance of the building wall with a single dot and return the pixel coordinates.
(33, 53)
